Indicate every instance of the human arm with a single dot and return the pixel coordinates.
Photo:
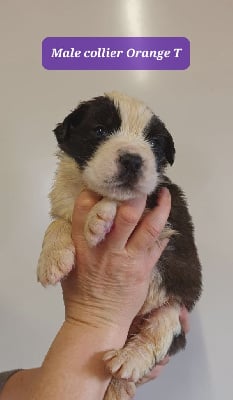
(101, 297)
(21, 382)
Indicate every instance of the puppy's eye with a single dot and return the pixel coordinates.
(153, 143)
(100, 131)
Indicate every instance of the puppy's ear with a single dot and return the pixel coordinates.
(63, 130)
(164, 142)
(168, 145)
(60, 132)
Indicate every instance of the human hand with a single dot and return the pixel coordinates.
(111, 280)
(156, 371)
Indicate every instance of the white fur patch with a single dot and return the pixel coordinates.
(101, 171)
(135, 114)
(67, 186)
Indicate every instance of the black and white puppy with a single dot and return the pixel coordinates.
(115, 146)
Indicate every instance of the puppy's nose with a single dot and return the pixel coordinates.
(130, 162)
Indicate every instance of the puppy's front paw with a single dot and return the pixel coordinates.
(53, 265)
(99, 221)
(127, 364)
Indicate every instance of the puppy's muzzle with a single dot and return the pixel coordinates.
(130, 166)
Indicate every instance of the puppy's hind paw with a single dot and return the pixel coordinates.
(127, 364)
(99, 221)
(54, 265)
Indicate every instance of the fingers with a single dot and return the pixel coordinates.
(84, 203)
(128, 215)
(156, 371)
(184, 319)
(165, 361)
(149, 229)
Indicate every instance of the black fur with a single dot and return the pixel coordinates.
(179, 264)
(179, 343)
(86, 127)
(161, 142)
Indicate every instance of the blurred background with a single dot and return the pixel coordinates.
(196, 105)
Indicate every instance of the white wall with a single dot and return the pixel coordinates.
(196, 105)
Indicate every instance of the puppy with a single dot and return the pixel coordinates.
(115, 146)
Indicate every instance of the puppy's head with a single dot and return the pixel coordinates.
(120, 146)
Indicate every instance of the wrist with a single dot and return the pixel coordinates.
(97, 323)
(96, 316)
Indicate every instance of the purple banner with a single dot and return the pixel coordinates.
(116, 53)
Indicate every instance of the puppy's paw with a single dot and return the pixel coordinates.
(127, 364)
(120, 390)
(54, 265)
(99, 221)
